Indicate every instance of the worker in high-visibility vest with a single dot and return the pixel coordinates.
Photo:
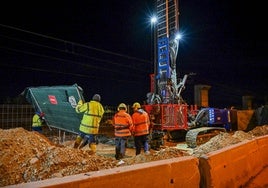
(89, 126)
(141, 130)
(123, 125)
(37, 122)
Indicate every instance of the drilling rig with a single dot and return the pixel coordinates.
(168, 112)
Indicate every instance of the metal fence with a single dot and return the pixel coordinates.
(20, 115)
(16, 115)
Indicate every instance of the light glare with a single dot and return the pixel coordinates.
(153, 19)
(178, 36)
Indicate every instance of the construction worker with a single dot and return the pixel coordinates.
(141, 128)
(89, 126)
(122, 123)
(37, 122)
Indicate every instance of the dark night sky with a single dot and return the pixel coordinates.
(106, 47)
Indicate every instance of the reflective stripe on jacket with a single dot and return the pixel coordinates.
(122, 124)
(93, 112)
(37, 121)
(141, 122)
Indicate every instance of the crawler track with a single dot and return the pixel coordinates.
(200, 135)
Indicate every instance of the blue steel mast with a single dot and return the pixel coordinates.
(166, 89)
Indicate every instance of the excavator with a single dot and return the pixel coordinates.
(169, 113)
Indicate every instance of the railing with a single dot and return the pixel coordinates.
(16, 115)
(20, 115)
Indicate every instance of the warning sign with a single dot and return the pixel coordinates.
(52, 99)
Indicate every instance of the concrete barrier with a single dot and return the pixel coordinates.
(177, 172)
(263, 148)
(235, 165)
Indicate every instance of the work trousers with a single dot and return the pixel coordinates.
(141, 142)
(120, 145)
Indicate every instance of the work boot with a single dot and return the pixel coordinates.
(76, 145)
(84, 143)
(77, 141)
(93, 148)
(121, 162)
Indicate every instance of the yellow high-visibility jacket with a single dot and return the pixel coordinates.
(37, 121)
(93, 112)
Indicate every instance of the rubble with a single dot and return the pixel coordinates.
(29, 156)
(226, 139)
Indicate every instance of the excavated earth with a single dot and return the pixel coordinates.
(29, 156)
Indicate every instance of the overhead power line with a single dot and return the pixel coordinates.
(64, 60)
(68, 73)
(128, 66)
(77, 44)
(64, 51)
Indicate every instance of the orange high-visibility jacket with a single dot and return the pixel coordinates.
(141, 122)
(122, 124)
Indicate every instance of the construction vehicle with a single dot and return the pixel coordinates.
(170, 115)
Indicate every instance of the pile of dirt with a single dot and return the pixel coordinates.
(224, 139)
(29, 156)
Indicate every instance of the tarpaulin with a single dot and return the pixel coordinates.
(58, 104)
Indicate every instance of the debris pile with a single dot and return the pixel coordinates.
(29, 156)
(224, 139)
